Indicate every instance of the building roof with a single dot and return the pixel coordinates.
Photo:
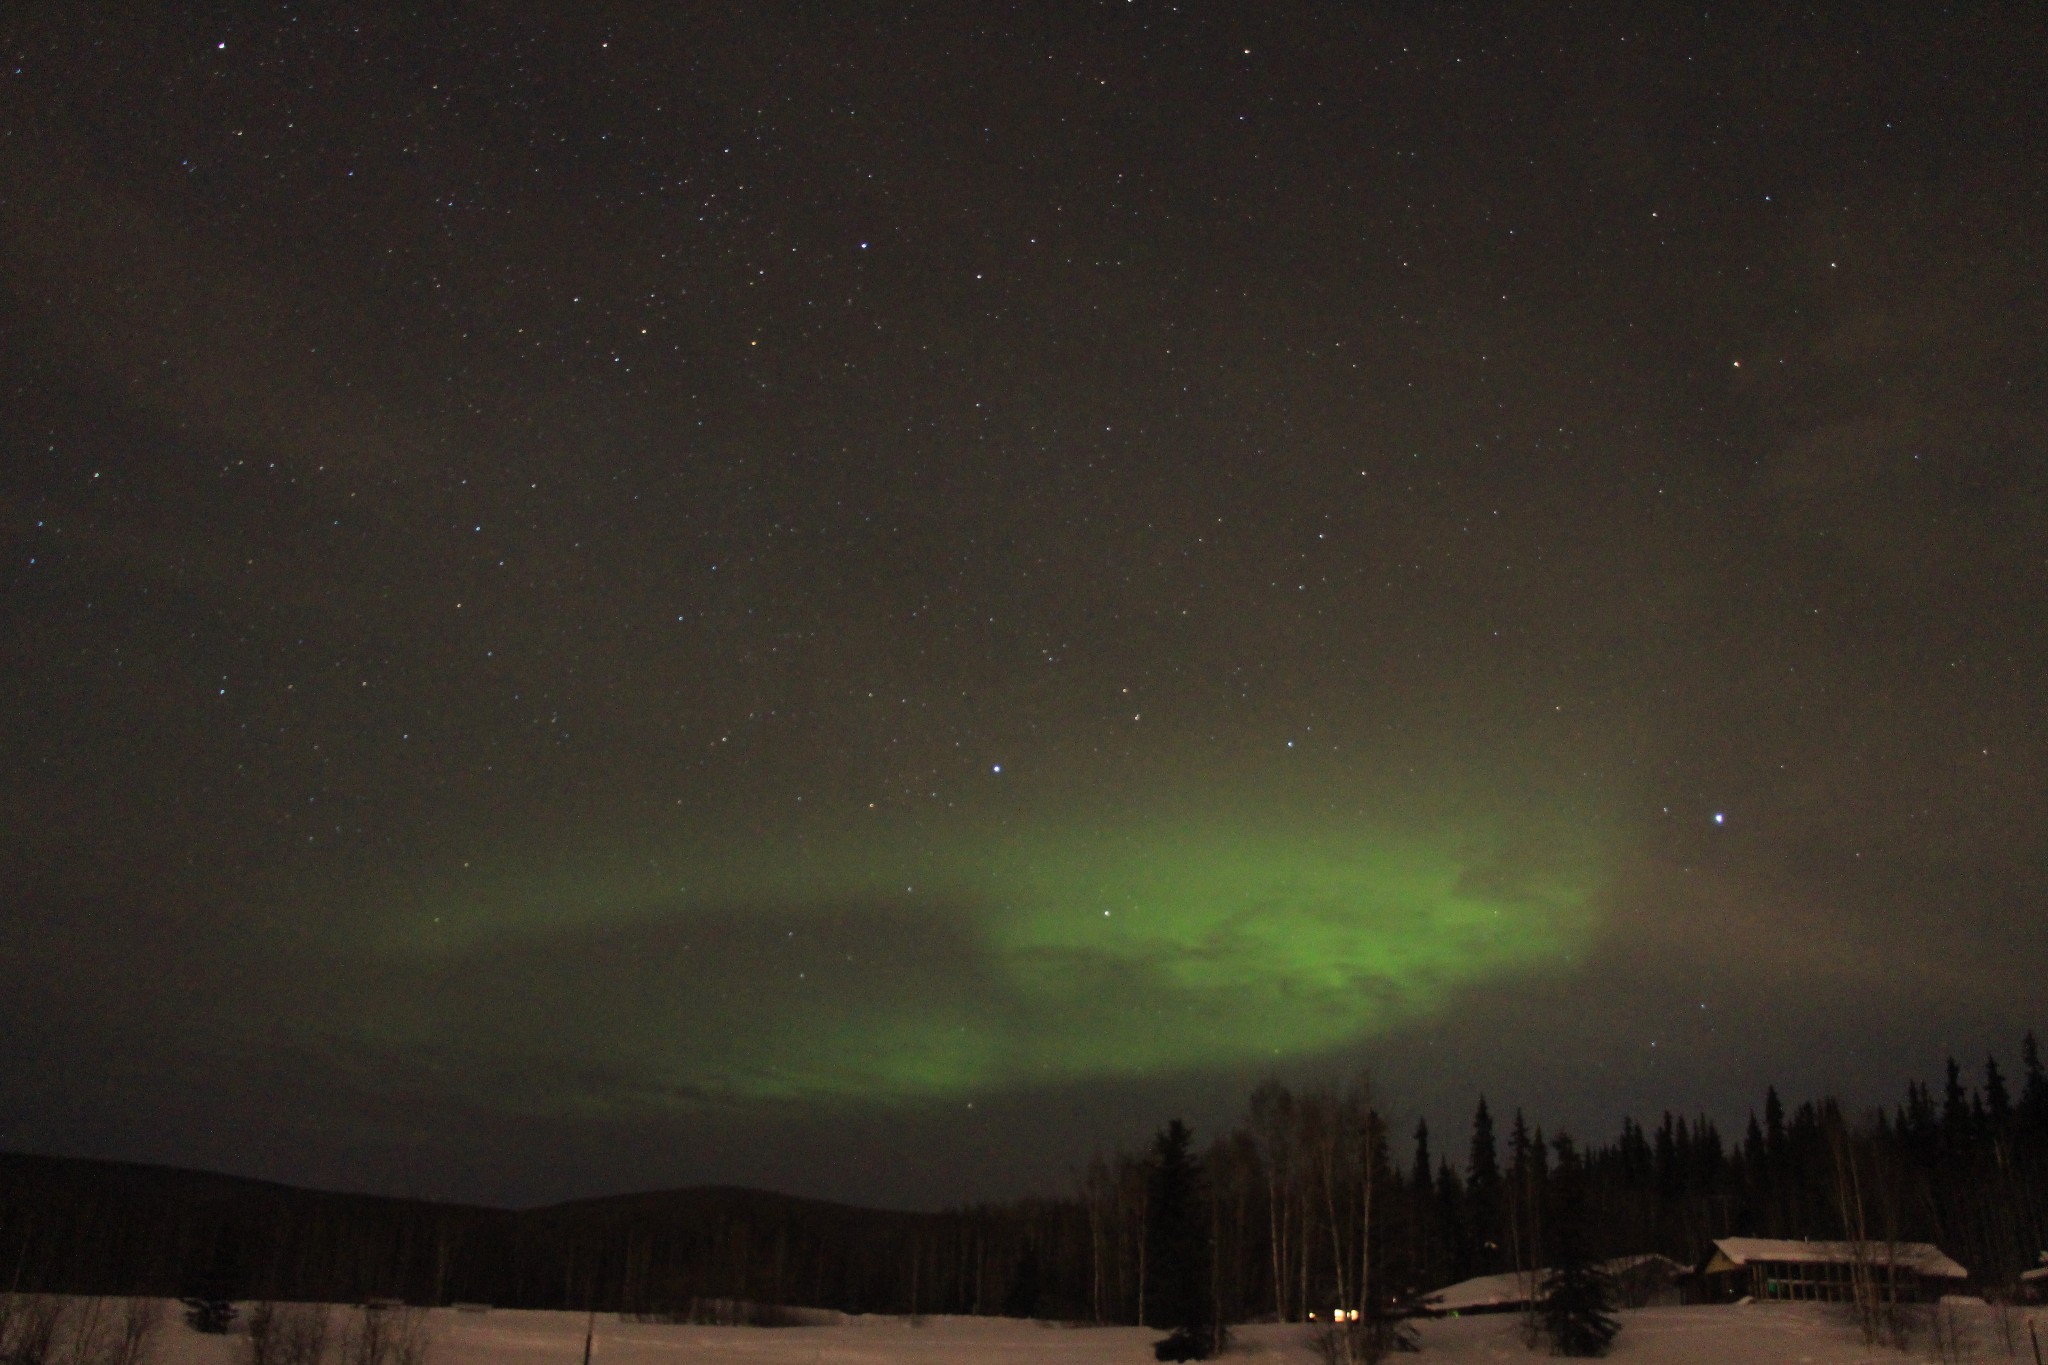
(1923, 1258)
(2038, 1273)
(1485, 1291)
(1644, 1263)
(1511, 1290)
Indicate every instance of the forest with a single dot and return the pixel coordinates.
(1312, 1201)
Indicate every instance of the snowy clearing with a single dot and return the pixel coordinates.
(1750, 1334)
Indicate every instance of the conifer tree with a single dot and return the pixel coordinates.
(2033, 1108)
(1997, 1101)
(1450, 1212)
(1955, 1111)
(1577, 1295)
(1525, 1179)
(1177, 1235)
(1483, 1193)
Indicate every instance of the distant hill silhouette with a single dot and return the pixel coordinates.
(85, 1226)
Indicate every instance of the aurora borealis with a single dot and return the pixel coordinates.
(1030, 960)
(867, 603)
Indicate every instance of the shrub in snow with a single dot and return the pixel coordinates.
(1364, 1343)
(44, 1329)
(29, 1326)
(209, 1314)
(386, 1336)
(140, 1319)
(1182, 1345)
(287, 1334)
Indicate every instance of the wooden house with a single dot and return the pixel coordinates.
(1825, 1272)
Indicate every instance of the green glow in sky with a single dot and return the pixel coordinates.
(996, 964)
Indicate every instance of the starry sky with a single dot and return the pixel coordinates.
(867, 599)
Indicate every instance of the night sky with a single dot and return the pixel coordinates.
(867, 599)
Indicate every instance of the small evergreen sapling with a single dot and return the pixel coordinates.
(210, 1314)
(210, 1302)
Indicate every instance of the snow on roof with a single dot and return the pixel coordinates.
(1485, 1291)
(1622, 1265)
(1921, 1257)
(2029, 1276)
(1501, 1291)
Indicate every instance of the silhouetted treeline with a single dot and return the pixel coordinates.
(1312, 1202)
(1967, 1170)
(114, 1228)
(1312, 1208)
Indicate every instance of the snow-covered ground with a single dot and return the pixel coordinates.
(1743, 1334)
(1760, 1334)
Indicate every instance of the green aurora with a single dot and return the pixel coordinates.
(826, 971)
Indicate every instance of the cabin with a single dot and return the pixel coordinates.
(1772, 1269)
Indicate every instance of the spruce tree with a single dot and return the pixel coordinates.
(1177, 1236)
(2033, 1108)
(1483, 1194)
(1450, 1212)
(1955, 1112)
(1997, 1100)
(1578, 1296)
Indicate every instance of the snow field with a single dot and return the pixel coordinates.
(1748, 1334)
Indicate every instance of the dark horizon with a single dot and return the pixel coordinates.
(868, 605)
(1449, 1132)
(1956, 1166)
